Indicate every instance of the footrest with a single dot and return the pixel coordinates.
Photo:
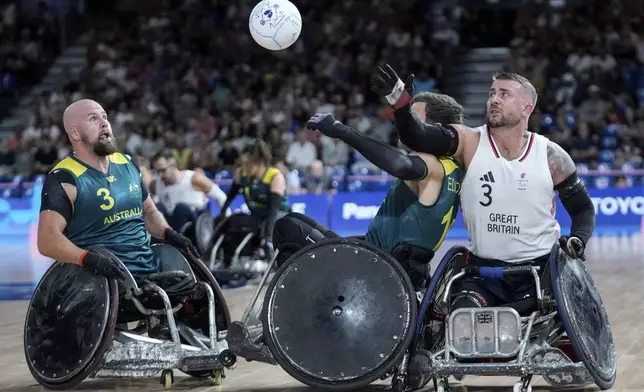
(240, 344)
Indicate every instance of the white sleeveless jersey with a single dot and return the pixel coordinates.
(509, 206)
(181, 192)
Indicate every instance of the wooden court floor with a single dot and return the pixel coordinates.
(617, 265)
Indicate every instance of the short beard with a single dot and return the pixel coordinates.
(102, 149)
(502, 122)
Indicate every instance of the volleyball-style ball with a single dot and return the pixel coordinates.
(275, 24)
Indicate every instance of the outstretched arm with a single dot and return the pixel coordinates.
(385, 156)
(572, 192)
(203, 184)
(434, 139)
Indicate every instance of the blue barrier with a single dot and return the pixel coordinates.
(620, 212)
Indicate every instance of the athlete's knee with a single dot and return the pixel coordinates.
(324, 232)
(416, 262)
(293, 232)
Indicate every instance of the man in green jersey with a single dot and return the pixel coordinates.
(94, 198)
(421, 204)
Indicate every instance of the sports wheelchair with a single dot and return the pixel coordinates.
(357, 319)
(200, 231)
(81, 325)
(233, 252)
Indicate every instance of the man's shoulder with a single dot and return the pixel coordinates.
(120, 158)
(560, 163)
(68, 166)
(473, 130)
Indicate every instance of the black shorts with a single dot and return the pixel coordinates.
(496, 292)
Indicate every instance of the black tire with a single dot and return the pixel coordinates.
(62, 293)
(382, 368)
(595, 347)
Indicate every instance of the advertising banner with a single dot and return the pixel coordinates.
(620, 212)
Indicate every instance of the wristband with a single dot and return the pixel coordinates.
(396, 93)
(82, 258)
(165, 232)
(405, 98)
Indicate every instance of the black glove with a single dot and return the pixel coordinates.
(386, 83)
(103, 265)
(573, 247)
(327, 124)
(180, 242)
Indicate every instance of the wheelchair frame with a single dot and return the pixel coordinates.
(204, 353)
(541, 336)
(134, 355)
(236, 263)
(536, 352)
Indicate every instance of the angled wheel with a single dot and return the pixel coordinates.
(584, 317)
(203, 231)
(339, 314)
(430, 325)
(69, 325)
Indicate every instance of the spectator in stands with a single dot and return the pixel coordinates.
(301, 153)
(595, 107)
(317, 181)
(335, 154)
(584, 146)
(45, 156)
(228, 155)
(171, 83)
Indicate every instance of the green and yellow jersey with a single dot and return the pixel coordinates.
(108, 212)
(257, 193)
(402, 219)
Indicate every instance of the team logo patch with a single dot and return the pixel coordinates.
(522, 182)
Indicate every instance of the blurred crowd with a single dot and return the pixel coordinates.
(190, 79)
(588, 66)
(29, 42)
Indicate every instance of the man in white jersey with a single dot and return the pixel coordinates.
(508, 194)
(182, 193)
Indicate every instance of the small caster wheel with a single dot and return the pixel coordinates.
(442, 386)
(459, 377)
(519, 387)
(397, 385)
(167, 379)
(227, 358)
(218, 376)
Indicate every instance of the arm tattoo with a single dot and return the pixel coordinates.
(560, 163)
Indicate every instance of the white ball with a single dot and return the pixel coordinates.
(275, 24)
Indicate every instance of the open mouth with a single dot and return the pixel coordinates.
(104, 137)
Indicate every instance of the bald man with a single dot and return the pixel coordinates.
(95, 198)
